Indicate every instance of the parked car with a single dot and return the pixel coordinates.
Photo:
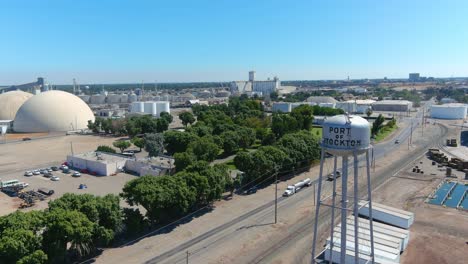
(76, 174)
(66, 171)
(54, 168)
(337, 175)
(55, 178)
(26, 139)
(251, 190)
(48, 175)
(397, 141)
(36, 172)
(28, 173)
(45, 191)
(49, 170)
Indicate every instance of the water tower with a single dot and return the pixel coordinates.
(345, 136)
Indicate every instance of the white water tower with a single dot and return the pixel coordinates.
(345, 136)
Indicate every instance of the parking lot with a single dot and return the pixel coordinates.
(17, 158)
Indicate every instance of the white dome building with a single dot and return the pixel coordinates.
(10, 102)
(52, 111)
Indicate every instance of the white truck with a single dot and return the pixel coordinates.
(292, 189)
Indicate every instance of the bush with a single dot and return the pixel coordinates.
(107, 149)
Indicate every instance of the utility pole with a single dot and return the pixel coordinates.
(276, 196)
(186, 260)
(422, 124)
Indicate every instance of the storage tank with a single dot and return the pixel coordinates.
(132, 98)
(113, 98)
(97, 99)
(85, 98)
(150, 108)
(281, 107)
(344, 134)
(162, 106)
(123, 98)
(137, 107)
(449, 111)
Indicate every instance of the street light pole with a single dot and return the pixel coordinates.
(276, 197)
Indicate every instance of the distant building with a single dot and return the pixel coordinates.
(448, 100)
(155, 166)
(154, 108)
(255, 87)
(414, 77)
(98, 163)
(392, 105)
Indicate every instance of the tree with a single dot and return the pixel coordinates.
(37, 257)
(107, 149)
(186, 118)
(204, 149)
(65, 228)
(198, 183)
(138, 142)
(17, 243)
(166, 116)
(106, 125)
(134, 221)
(377, 125)
(121, 144)
(230, 142)
(283, 123)
(176, 141)
(183, 160)
(246, 137)
(154, 144)
(369, 112)
(163, 197)
(304, 116)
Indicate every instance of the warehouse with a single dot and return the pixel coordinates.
(362, 105)
(392, 105)
(449, 111)
(98, 163)
(155, 166)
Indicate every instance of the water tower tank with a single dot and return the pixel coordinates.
(343, 135)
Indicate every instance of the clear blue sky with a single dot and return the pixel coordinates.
(112, 41)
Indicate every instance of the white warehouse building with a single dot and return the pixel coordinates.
(449, 111)
(154, 108)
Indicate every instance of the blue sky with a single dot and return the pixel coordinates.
(114, 41)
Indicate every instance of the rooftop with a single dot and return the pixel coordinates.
(101, 157)
(393, 102)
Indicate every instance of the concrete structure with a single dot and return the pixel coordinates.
(324, 101)
(348, 107)
(266, 87)
(414, 77)
(241, 87)
(10, 102)
(362, 105)
(449, 111)
(39, 84)
(85, 98)
(251, 76)
(154, 108)
(392, 105)
(282, 107)
(97, 99)
(100, 163)
(7, 125)
(256, 87)
(155, 166)
(52, 111)
(345, 136)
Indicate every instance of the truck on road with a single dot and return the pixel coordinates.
(292, 189)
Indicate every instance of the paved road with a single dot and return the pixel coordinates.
(228, 230)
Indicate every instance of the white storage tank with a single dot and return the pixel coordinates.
(150, 108)
(449, 111)
(123, 98)
(162, 106)
(85, 98)
(137, 107)
(345, 134)
(97, 99)
(113, 98)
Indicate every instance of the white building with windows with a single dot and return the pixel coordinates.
(254, 86)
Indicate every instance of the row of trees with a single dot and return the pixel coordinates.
(167, 198)
(73, 226)
(378, 125)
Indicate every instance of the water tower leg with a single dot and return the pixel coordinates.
(317, 206)
(344, 206)
(355, 209)
(332, 227)
(369, 197)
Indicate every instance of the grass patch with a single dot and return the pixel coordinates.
(384, 132)
(230, 165)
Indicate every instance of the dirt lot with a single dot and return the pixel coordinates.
(16, 158)
(438, 235)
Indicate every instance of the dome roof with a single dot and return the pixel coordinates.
(10, 102)
(52, 111)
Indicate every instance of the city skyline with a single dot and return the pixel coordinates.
(181, 41)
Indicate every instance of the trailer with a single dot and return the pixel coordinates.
(363, 258)
(387, 214)
(292, 189)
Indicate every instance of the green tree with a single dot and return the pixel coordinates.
(134, 221)
(107, 149)
(369, 112)
(198, 184)
(154, 144)
(283, 123)
(17, 243)
(138, 142)
(230, 142)
(37, 257)
(163, 197)
(186, 118)
(176, 141)
(204, 149)
(246, 137)
(304, 116)
(65, 228)
(121, 144)
(183, 159)
(166, 116)
(377, 125)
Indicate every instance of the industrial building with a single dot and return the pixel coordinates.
(392, 105)
(285, 107)
(447, 101)
(154, 108)
(10, 102)
(155, 166)
(323, 101)
(348, 107)
(449, 111)
(414, 77)
(362, 105)
(255, 87)
(98, 163)
(52, 111)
